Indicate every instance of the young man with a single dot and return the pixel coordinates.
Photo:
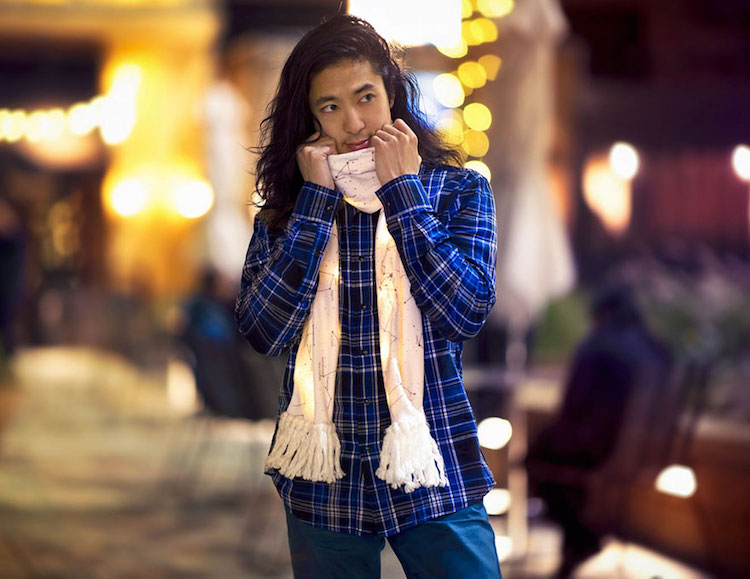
(372, 260)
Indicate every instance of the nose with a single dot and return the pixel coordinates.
(353, 122)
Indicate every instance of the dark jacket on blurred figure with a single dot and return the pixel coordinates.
(618, 355)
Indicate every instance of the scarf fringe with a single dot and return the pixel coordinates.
(410, 456)
(307, 450)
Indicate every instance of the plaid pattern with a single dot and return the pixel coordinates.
(443, 222)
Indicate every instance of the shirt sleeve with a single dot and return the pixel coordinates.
(280, 275)
(451, 267)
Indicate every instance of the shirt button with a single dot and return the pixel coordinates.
(361, 258)
(363, 351)
(363, 307)
(368, 448)
(329, 207)
(366, 400)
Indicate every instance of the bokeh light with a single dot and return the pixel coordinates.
(476, 143)
(477, 116)
(450, 125)
(472, 74)
(623, 158)
(439, 20)
(457, 51)
(495, 8)
(193, 198)
(448, 90)
(480, 167)
(497, 501)
(741, 162)
(128, 197)
(491, 65)
(608, 195)
(677, 480)
(494, 433)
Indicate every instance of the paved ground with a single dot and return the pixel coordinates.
(102, 477)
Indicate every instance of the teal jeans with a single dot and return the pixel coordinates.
(456, 546)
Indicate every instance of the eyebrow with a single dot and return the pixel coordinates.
(324, 99)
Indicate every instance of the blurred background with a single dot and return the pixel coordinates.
(610, 383)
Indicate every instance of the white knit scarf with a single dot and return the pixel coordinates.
(307, 444)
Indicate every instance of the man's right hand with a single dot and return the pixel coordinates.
(312, 158)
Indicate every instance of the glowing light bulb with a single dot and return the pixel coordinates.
(677, 480)
(623, 158)
(494, 433)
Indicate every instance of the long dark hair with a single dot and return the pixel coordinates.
(290, 120)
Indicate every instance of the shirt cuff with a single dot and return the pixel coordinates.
(403, 194)
(317, 203)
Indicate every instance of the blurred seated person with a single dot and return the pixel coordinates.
(618, 355)
(209, 332)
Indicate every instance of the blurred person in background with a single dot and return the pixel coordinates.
(372, 260)
(618, 355)
(11, 270)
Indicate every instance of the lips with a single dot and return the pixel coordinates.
(358, 145)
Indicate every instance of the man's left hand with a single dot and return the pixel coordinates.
(396, 151)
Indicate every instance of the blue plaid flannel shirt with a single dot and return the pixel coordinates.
(443, 222)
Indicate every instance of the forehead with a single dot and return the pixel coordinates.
(343, 78)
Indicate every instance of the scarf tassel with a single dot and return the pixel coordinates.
(304, 449)
(410, 456)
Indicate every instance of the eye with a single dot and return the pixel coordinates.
(328, 109)
(368, 97)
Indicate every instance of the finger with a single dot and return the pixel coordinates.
(401, 125)
(387, 136)
(393, 131)
(314, 137)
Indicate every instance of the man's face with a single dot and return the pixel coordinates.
(351, 103)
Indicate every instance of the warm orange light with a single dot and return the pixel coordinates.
(606, 194)
(128, 197)
(193, 198)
